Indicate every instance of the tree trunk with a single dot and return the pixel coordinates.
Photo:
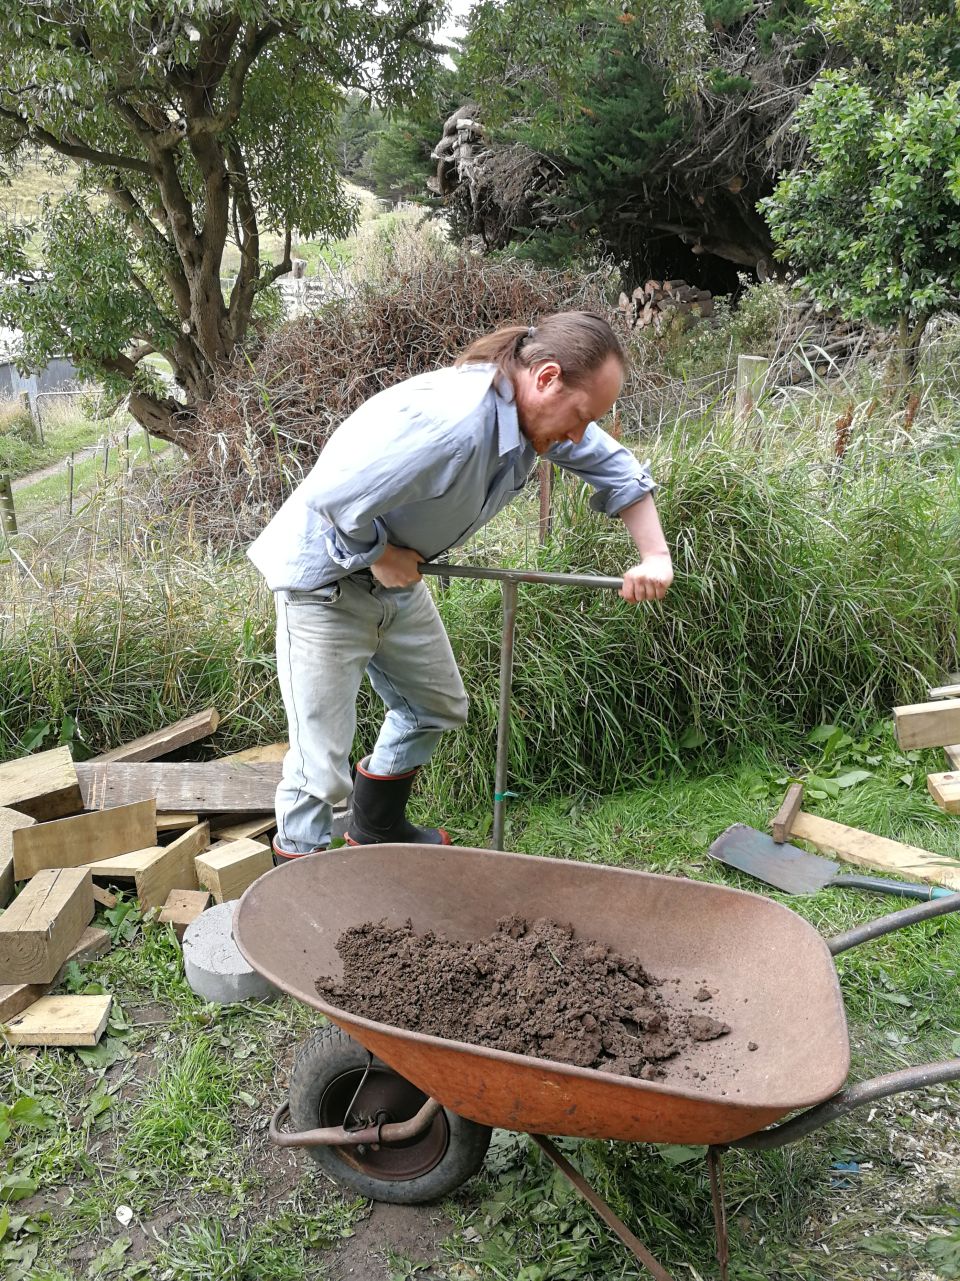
(167, 420)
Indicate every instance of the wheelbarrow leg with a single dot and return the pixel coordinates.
(715, 1166)
(587, 1192)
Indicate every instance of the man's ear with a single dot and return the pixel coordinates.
(547, 374)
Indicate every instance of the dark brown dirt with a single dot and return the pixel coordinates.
(528, 989)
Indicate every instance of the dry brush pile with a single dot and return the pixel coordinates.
(414, 309)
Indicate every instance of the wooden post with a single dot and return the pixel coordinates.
(70, 485)
(751, 374)
(8, 516)
(32, 409)
(106, 456)
(545, 471)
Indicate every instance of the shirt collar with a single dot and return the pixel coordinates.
(508, 424)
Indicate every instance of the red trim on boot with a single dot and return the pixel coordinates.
(286, 856)
(444, 839)
(382, 778)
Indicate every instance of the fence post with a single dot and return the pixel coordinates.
(32, 408)
(751, 375)
(70, 485)
(8, 515)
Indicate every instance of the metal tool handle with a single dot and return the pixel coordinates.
(903, 889)
(442, 570)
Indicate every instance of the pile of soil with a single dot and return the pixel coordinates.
(526, 988)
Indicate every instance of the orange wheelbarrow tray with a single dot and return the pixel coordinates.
(773, 975)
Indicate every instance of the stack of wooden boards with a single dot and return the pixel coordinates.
(177, 833)
(935, 724)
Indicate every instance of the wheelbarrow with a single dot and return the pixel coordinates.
(404, 1117)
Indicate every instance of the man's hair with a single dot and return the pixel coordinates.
(579, 341)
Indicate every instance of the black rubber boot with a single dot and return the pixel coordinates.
(379, 805)
(282, 856)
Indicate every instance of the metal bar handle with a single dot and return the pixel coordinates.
(878, 1087)
(893, 921)
(442, 570)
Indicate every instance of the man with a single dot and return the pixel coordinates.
(415, 471)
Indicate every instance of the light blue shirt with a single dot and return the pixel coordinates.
(424, 464)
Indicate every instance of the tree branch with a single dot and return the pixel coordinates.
(75, 150)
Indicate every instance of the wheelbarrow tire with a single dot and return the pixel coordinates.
(326, 1073)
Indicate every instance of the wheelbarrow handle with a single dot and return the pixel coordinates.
(878, 1087)
(893, 921)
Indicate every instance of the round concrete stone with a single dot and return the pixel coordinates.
(214, 965)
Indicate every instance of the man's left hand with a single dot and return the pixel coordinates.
(649, 580)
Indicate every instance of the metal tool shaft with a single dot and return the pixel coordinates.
(509, 580)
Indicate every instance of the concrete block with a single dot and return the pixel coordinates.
(214, 966)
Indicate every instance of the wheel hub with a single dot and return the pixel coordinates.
(383, 1097)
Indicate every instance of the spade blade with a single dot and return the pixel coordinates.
(783, 866)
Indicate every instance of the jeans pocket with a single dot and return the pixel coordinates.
(326, 595)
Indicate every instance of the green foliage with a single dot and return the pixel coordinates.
(192, 123)
(872, 217)
(397, 162)
(647, 115)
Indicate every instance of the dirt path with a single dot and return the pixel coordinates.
(32, 477)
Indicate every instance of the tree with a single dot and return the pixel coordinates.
(872, 218)
(195, 123)
(664, 123)
(397, 163)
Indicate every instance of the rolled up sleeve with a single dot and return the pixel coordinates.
(619, 479)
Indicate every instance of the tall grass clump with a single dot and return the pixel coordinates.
(798, 598)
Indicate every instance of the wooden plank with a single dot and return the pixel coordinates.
(945, 790)
(125, 866)
(928, 724)
(945, 691)
(44, 785)
(10, 821)
(69, 842)
(855, 846)
(173, 868)
(182, 907)
(161, 741)
(247, 830)
(103, 897)
(176, 821)
(41, 925)
(270, 752)
(60, 1020)
(15, 997)
(783, 822)
(953, 755)
(205, 787)
(228, 869)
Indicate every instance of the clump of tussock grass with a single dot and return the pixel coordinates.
(803, 593)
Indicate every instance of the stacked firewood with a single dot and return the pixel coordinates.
(656, 302)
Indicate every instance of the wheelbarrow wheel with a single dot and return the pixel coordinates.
(327, 1082)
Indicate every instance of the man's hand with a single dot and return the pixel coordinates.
(649, 580)
(397, 567)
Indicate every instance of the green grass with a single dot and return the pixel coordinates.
(64, 434)
(170, 1117)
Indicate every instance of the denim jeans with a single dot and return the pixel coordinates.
(326, 640)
